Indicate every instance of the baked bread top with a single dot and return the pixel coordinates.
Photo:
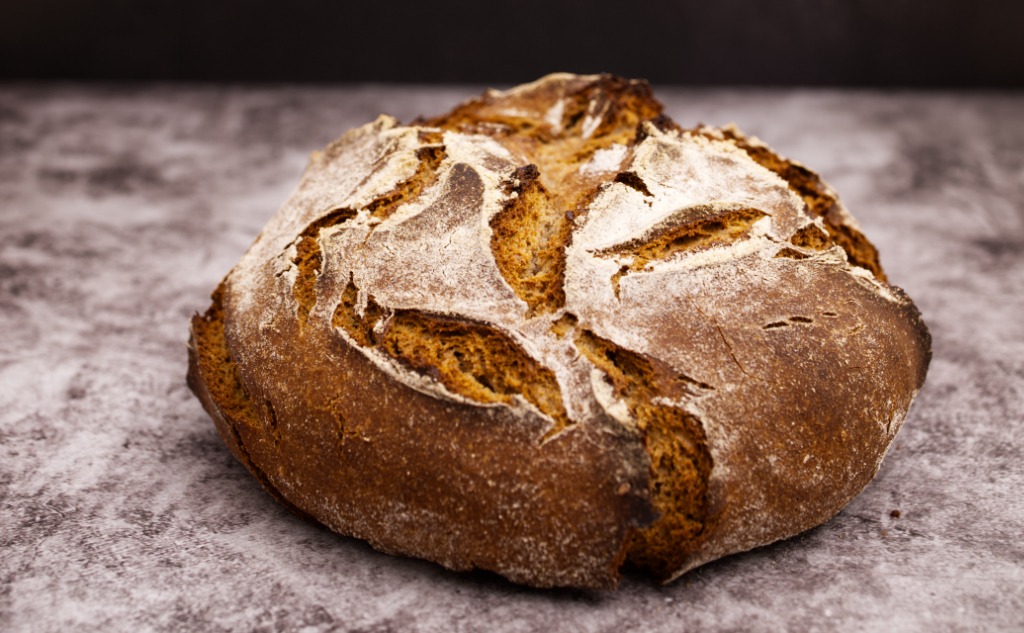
(551, 331)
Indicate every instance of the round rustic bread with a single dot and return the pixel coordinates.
(551, 333)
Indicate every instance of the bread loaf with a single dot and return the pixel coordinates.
(552, 333)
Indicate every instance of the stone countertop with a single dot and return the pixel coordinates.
(121, 510)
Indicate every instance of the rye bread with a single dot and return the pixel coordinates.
(551, 332)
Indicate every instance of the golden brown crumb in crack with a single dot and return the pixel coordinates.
(617, 279)
(820, 203)
(556, 130)
(858, 249)
(309, 260)
(359, 326)
(791, 253)
(563, 325)
(681, 464)
(431, 137)
(470, 359)
(618, 104)
(309, 257)
(809, 238)
(473, 360)
(219, 371)
(594, 115)
(722, 227)
(812, 238)
(215, 372)
(680, 460)
(528, 241)
(430, 157)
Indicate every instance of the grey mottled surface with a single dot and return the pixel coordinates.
(120, 510)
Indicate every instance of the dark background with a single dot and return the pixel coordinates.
(953, 43)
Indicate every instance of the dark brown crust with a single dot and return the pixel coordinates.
(423, 489)
(817, 388)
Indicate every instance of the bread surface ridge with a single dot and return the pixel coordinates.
(520, 337)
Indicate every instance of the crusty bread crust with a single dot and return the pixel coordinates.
(551, 331)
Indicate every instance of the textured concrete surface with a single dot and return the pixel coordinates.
(120, 510)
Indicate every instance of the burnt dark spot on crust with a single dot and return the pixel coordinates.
(662, 122)
(522, 178)
(631, 179)
(271, 417)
